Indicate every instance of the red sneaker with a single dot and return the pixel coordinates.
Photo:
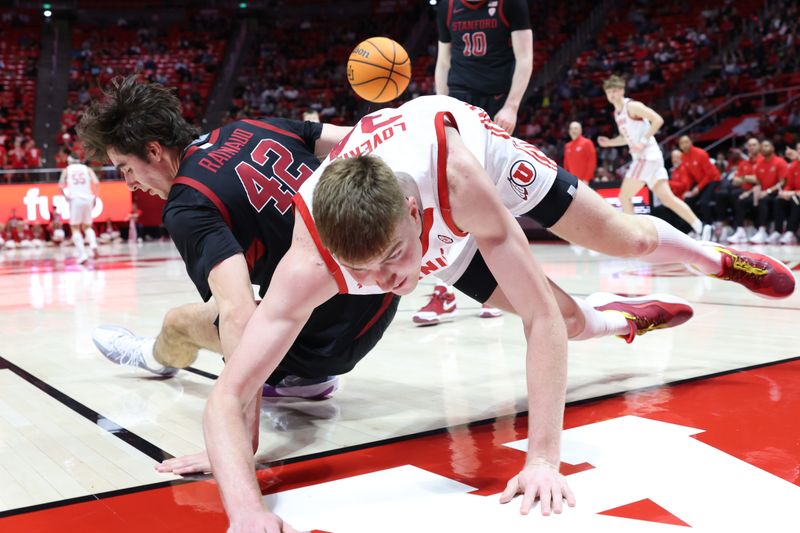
(762, 274)
(441, 307)
(488, 311)
(644, 313)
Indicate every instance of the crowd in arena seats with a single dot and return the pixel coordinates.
(19, 53)
(186, 56)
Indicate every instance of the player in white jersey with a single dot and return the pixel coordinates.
(79, 185)
(637, 126)
(453, 182)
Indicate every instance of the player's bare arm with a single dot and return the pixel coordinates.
(522, 44)
(639, 110)
(95, 182)
(605, 142)
(478, 210)
(229, 282)
(301, 282)
(442, 68)
(331, 136)
(62, 183)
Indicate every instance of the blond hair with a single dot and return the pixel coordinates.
(614, 82)
(357, 206)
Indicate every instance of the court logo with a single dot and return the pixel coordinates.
(521, 176)
(445, 239)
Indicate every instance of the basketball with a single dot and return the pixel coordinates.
(379, 69)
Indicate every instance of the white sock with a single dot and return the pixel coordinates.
(697, 226)
(77, 238)
(599, 323)
(677, 247)
(150, 358)
(92, 238)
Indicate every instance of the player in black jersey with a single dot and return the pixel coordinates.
(485, 55)
(229, 213)
(485, 58)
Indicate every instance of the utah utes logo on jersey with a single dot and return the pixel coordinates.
(521, 175)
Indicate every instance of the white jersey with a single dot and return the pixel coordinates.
(411, 140)
(633, 129)
(79, 182)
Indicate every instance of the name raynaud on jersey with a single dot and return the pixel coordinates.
(214, 159)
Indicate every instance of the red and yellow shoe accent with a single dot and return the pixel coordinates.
(644, 313)
(762, 274)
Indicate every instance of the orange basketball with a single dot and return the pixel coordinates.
(379, 69)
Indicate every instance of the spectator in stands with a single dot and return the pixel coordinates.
(33, 158)
(771, 175)
(704, 177)
(3, 154)
(787, 204)
(739, 196)
(580, 156)
(678, 184)
(16, 161)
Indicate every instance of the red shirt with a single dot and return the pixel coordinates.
(747, 167)
(699, 167)
(3, 157)
(793, 177)
(679, 182)
(580, 158)
(770, 171)
(33, 158)
(17, 159)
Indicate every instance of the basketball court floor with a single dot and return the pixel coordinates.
(690, 427)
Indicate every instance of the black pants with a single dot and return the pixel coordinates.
(783, 210)
(725, 198)
(668, 215)
(743, 208)
(491, 103)
(703, 203)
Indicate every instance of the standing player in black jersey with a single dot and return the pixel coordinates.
(229, 213)
(485, 58)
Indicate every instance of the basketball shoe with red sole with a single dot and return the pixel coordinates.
(440, 308)
(762, 274)
(644, 313)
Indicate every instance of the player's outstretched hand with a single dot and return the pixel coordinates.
(196, 463)
(260, 522)
(542, 481)
(506, 118)
(602, 141)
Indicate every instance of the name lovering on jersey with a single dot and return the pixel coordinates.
(633, 129)
(521, 173)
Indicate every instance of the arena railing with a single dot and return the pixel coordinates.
(793, 93)
(51, 175)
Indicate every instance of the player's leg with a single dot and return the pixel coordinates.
(185, 330)
(88, 230)
(631, 184)
(676, 205)
(590, 222)
(599, 315)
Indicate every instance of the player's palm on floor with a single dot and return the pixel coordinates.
(196, 463)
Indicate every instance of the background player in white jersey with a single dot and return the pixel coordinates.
(373, 219)
(79, 185)
(637, 126)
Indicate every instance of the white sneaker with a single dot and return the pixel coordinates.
(760, 237)
(774, 238)
(82, 259)
(489, 312)
(789, 238)
(122, 347)
(724, 233)
(707, 232)
(738, 237)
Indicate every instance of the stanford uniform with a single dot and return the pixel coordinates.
(527, 182)
(481, 56)
(233, 194)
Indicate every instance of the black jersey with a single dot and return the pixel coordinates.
(233, 194)
(481, 55)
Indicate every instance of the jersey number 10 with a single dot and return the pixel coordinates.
(474, 43)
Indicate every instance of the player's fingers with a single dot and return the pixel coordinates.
(569, 495)
(545, 500)
(511, 490)
(528, 498)
(558, 500)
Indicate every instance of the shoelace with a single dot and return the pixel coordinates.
(644, 324)
(129, 350)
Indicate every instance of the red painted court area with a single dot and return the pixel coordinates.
(747, 419)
